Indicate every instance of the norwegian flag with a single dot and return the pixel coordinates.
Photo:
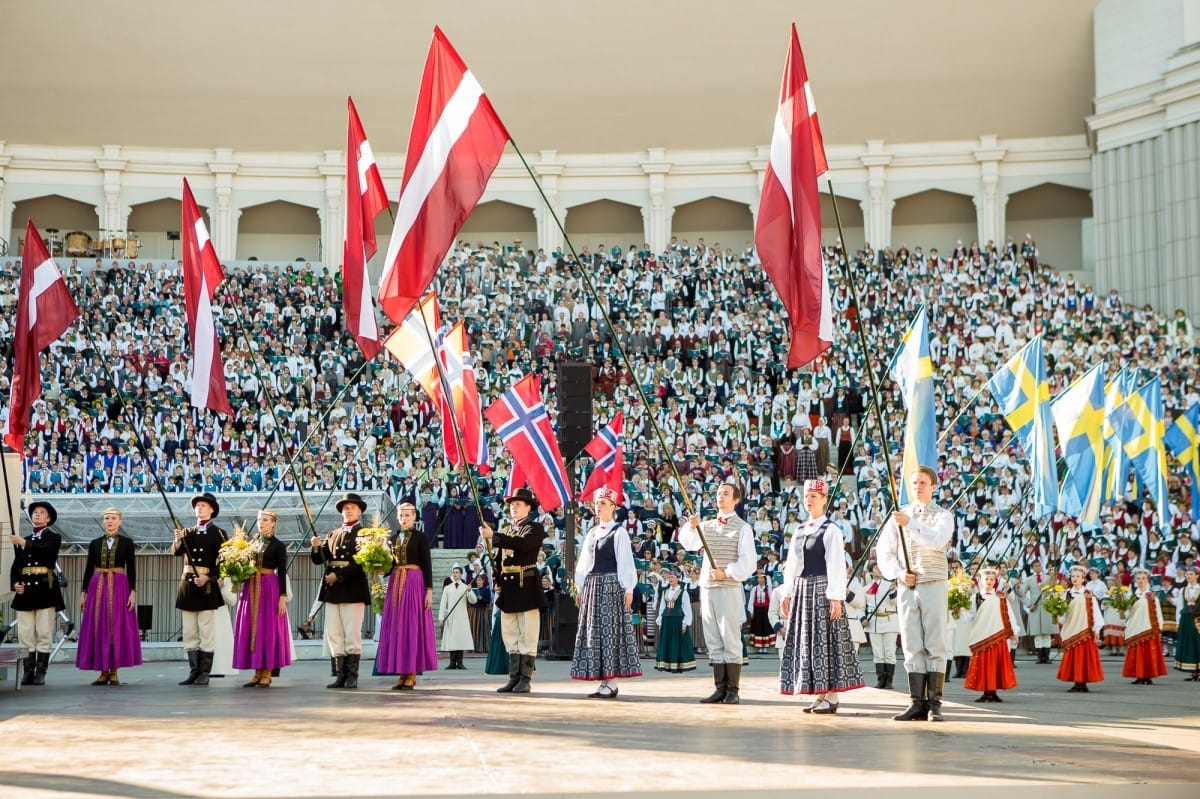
(365, 198)
(523, 424)
(45, 309)
(459, 369)
(410, 344)
(202, 275)
(787, 232)
(608, 448)
(453, 148)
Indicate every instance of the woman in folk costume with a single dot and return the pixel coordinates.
(1113, 631)
(960, 628)
(605, 645)
(1187, 637)
(407, 644)
(481, 612)
(674, 652)
(108, 634)
(993, 627)
(762, 636)
(1080, 630)
(497, 656)
(818, 655)
(262, 638)
(456, 624)
(1143, 633)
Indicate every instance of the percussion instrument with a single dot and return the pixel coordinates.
(118, 246)
(131, 247)
(78, 243)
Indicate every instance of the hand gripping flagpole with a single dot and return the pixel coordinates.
(591, 289)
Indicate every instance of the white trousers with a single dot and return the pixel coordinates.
(721, 611)
(883, 647)
(923, 621)
(35, 629)
(343, 628)
(520, 631)
(199, 630)
(1041, 642)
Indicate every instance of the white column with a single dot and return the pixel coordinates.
(333, 227)
(877, 210)
(223, 230)
(548, 169)
(989, 203)
(6, 208)
(657, 217)
(112, 217)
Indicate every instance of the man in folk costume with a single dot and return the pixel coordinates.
(605, 645)
(731, 543)
(882, 627)
(1143, 633)
(344, 590)
(521, 599)
(38, 596)
(109, 638)
(1039, 624)
(199, 589)
(918, 565)
(1080, 631)
(456, 623)
(994, 625)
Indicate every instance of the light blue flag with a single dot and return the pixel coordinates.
(1184, 442)
(912, 369)
(1145, 448)
(1118, 427)
(1024, 396)
(1079, 417)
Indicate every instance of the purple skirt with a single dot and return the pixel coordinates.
(261, 637)
(407, 644)
(108, 637)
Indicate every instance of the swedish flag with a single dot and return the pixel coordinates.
(1079, 416)
(1184, 441)
(1145, 447)
(1024, 396)
(1118, 427)
(912, 369)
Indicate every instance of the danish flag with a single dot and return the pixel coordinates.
(523, 424)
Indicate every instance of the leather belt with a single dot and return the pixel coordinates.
(35, 570)
(518, 570)
(339, 564)
(189, 569)
(112, 570)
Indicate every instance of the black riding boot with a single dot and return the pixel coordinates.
(933, 694)
(339, 669)
(194, 667)
(918, 710)
(721, 683)
(880, 675)
(352, 662)
(514, 674)
(30, 666)
(39, 669)
(733, 683)
(206, 661)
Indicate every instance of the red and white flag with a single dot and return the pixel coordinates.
(410, 343)
(608, 449)
(365, 198)
(45, 309)
(788, 230)
(459, 368)
(521, 420)
(455, 144)
(202, 274)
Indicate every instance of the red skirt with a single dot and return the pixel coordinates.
(991, 670)
(1144, 660)
(1081, 663)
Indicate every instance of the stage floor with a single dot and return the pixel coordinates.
(455, 736)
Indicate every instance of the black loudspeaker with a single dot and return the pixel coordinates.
(172, 235)
(565, 625)
(574, 407)
(145, 617)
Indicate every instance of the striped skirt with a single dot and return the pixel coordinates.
(605, 646)
(818, 655)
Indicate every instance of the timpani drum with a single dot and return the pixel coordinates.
(117, 247)
(78, 243)
(131, 248)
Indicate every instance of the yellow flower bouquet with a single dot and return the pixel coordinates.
(238, 557)
(960, 594)
(1055, 600)
(378, 594)
(372, 550)
(1120, 599)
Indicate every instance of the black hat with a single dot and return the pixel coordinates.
(351, 498)
(211, 500)
(522, 495)
(46, 506)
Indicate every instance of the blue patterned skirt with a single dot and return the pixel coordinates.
(605, 646)
(818, 655)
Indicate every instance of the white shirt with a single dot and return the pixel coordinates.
(835, 566)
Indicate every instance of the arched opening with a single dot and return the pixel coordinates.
(605, 224)
(719, 223)
(852, 222)
(933, 219)
(498, 223)
(154, 227)
(283, 231)
(62, 215)
(1053, 215)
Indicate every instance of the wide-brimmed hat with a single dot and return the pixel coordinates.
(46, 506)
(350, 498)
(522, 495)
(210, 500)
